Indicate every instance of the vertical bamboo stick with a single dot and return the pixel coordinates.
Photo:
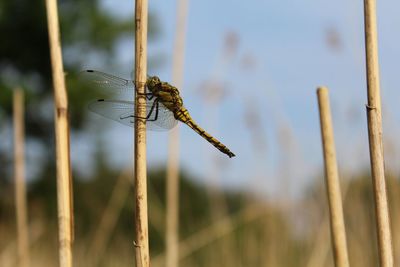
(374, 116)
(338, 231)
(110, 216)
(172, 201)
(140, 172)
(64, 182)
(19, 174)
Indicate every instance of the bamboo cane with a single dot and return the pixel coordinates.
(320, 251)
(19, 174)
(7, 256)
(64, 182)
(140, 172)
(374, 116)
(172, 201)
(338, 231)
(110, 216)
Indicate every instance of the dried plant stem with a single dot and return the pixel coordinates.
(320, 251)
(64, 182)
(19, 174)
(374, 116)
(140, 172)
(338, 231)
(172, 201)
(110, 217)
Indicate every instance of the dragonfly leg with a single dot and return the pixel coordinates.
(155, 105)
(149, 96)
(156, 116)
(147, 118)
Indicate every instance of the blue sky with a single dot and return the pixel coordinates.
(288, 42)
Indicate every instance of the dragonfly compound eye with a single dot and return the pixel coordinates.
(153, 81)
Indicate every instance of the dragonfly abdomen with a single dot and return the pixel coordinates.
(183, 116)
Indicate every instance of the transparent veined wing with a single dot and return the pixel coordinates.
(160, 118)
(108, 83)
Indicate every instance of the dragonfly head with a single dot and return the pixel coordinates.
(152, 82)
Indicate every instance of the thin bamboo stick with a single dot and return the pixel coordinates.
(140, 172)
(338, 231)
(374, 116)
(172, 201)
(7, 256)
(110, 217)
(64, 179)
(213, 95)
(19, 174)
(320, 250)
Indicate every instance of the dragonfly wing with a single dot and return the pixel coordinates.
(120, 111)
(109, 83)
(124, 111)
(165, 119)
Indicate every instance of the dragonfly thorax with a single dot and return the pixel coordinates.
(164, 93)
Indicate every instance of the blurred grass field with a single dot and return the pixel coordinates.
(249, 231)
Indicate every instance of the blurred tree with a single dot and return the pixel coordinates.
(88, 33)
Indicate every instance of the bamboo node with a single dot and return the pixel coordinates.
(370, 107)
(61, 111)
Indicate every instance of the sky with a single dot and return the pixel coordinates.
(291, 47)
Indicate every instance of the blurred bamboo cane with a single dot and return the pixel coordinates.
(320, 250)
(338, 232)
(19, 174)
(7, 257)
(374, 116)
(214, 94)
(140, 171)
(110, 216)
(64, 181)
(172, 201)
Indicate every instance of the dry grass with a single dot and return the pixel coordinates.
(258, 233)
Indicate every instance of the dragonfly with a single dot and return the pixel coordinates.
(164, 105)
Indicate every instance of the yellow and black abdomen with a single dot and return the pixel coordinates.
(184, 116)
